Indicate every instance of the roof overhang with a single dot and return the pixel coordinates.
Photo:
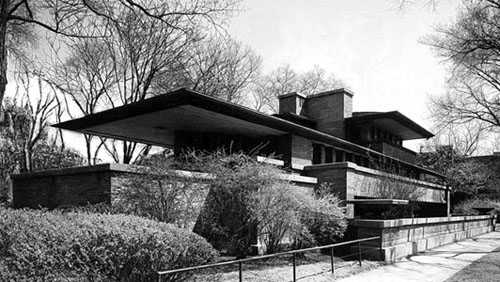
(393, 122)
(155, 120)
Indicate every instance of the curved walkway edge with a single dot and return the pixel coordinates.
(434, 265)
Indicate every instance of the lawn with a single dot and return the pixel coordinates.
(486, 269)
(313, 267)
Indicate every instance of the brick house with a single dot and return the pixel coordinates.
(317, 136)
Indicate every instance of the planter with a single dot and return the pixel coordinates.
(483, 210)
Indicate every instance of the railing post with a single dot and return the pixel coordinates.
(359, 252)
(240, 271)
(173, 273)
(333, 267)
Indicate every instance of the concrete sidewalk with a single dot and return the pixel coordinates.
(434, 265)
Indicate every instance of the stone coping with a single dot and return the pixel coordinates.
(292, 94)
(134, 169)
(299, 178)
(355, 167)
(73, 170)
(270, 161)
(331, 92)
(393, 223)
(377, 202)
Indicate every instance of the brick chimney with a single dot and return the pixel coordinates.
(330, 109)
(291, 103)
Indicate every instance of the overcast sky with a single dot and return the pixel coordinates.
(371, 45)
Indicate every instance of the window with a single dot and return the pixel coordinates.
(328, 155)
(316, 154)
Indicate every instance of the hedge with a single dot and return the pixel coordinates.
(56, 246)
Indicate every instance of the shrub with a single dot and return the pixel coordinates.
(239, 200)
(157, 192)
(226, 221)
(326, 218)
(467, 207)
(284, 211)
(278, 209)
(249, 200)
(56, 246)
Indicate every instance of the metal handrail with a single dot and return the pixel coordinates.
(293, 253)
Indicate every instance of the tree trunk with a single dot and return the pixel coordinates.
(4, 8)
(88, 143)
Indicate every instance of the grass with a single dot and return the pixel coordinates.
(313, 267)
(486, 269)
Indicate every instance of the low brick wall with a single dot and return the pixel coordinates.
(93, 184)
(351, 181)
(62, 187)
(102, 183)
(403, 237)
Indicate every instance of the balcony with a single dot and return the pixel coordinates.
(392, 150)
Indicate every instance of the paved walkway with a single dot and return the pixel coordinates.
(435, 265)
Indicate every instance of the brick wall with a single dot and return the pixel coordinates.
(351, 181)
(301, 151)
(403, 237)
(329, 110)
(64, 187)
(291, 103)
(102, 183)
(97, 184)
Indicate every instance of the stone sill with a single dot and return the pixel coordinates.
(377, 202)
(112, 167)
(393, 223)
(355, 167)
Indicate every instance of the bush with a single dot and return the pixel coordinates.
(158, 192)
(226, 221)
(56, 246)
(467, 207)
(284, 211)
(326, 217)
(250, 200)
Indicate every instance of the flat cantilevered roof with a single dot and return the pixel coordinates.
(393, 122)
(155, 120)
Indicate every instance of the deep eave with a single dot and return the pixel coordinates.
(394, 121)
(128, 119)
(183, 97)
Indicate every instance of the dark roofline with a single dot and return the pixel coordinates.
(184, 96)
(394, 115)
(298, 119)
(295, 93)
(331, 92)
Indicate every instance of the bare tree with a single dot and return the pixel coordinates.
(76, 18)
(31, 113)
(471, 46)
(138, 53)
(285, 80)
(404, 5)
(222, 68)
(85, 80)
(465, 138)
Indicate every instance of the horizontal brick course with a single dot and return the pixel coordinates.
(402, 237)
(94, 184)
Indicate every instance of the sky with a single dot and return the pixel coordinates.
(371, 45)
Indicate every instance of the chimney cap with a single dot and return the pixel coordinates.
(295, 93)
(335, 91)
